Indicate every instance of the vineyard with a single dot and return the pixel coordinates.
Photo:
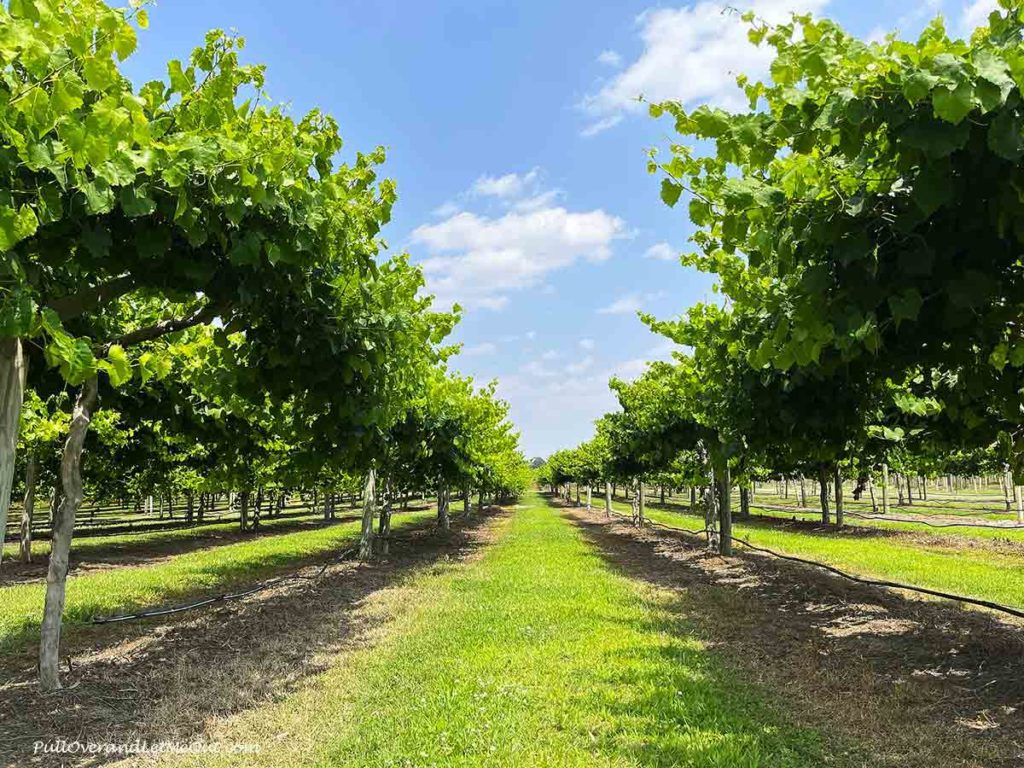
(252, 512)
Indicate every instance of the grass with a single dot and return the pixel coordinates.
(772, 504)
(536, 654)
(126, 542)
(970, 572)
(104, 592)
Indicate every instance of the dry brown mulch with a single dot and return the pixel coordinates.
(165, 678)
(912, 682)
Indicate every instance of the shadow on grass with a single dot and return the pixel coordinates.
(205, 570)
(921, 682)
(163, 678)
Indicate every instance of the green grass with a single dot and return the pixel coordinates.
(537, 654)
(125, 542)
(104, 592)
(969, 572)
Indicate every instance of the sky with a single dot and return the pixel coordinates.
(519, 149)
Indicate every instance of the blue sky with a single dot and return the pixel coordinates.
(520, 157)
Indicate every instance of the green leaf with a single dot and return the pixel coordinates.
(15, 226)
(1004, 135)
(906, 306)
(918, 85)
(999, 356)
(995, 70)
(117, 365)
(182, 80)
(953, 105)
(670, 192)
(135, 202)
(99, 197)
(933, 187)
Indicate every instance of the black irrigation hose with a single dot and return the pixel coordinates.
(870, 582)
(223, 597)
(1012, 527)
(236, 595)
(809, 510)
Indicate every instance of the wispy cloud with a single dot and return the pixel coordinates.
(630, 303)
(690, 54)
(480, 350)
(662, 252)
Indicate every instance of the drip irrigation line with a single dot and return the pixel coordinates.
(889, 518)
(1011, 527)
(228, 596)
(858, 579)
(225, 597)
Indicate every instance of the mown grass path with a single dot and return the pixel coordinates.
(535, 654)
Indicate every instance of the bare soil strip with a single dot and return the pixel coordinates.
(918, 683)
(167, 679)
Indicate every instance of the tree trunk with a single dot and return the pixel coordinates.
(243, 511)
(910, 491)
(369, 500)
(384, 526)
(725, 511)
(885, 488)
(634, 502)
(823, 494)
(803, 493)
(588, 498)
(839, 496)
(13, 371)
(443, 519)
(608, 499)
(745, 501)
(642, 506)
(662, 494)
(28, 509)
(64, 526)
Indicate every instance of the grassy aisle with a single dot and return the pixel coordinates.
(201, 572)
(537, 654)
(969, 572)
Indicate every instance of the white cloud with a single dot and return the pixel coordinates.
(557, 409)
(587, 344)
(691, 54)
(624, 305)
(549, 355)
(537, 369)
(662, 252)
(601, 125)
(610, 58)
(509, 185)
(478, 260)
(445, 210)
(975, 14)
(580, 366)
(540, 200)
(531, 335)
(477, 350)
